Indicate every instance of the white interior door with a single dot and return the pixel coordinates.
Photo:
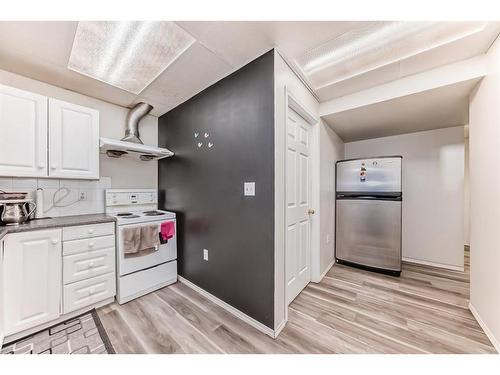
(298, 204)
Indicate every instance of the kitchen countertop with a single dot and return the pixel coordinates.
(57, 222)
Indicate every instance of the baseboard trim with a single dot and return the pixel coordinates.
(278, 330)
(485, 328)
(324, 272)
(233, 310)
(433, 264)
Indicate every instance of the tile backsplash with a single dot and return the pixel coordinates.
(93, 191)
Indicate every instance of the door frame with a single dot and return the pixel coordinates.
(291, 102)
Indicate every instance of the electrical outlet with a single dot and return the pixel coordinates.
(205, 254)
(82, 196)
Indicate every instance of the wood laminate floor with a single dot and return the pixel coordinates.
(350, 311)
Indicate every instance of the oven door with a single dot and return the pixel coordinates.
(128, 264)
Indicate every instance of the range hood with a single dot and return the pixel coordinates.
(116, 149)
(131, 145)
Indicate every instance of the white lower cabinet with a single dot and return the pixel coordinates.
(87, 292)
(43, 278)
(88, 265)
(32, 279)
(82, 266)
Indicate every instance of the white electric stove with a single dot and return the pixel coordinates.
(143, 273)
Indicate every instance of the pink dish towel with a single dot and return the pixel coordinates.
(167, 230)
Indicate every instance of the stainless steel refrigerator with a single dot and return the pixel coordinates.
(368, 213)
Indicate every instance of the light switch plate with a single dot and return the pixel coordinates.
(249, 189)
(205, 254)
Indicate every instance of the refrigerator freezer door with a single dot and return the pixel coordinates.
(369, 175)
(369, 233)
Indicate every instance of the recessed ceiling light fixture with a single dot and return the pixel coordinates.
(127, 54)
(378, 44)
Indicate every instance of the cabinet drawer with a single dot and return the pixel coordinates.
(87, 292)
(88, 244)
(82, 266)
(88, 231)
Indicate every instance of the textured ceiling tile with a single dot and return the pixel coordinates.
(194, 71)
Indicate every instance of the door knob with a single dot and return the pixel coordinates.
(55, 241)
(310, 211)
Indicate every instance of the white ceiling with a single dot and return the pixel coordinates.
(40, 50)
(431, 109)
(462, 48)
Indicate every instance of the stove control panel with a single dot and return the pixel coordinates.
(117, 197)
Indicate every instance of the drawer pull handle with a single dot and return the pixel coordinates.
(91, 264)
(91, 231)
(91, 291)
(55, 241)
(91, 244)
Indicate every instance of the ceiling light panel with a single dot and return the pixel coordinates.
(375, 45)
(127, 54)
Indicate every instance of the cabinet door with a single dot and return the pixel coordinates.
(32, 267)
(73, 141)
(23, 133)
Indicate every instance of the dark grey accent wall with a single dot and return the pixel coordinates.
(204, 186)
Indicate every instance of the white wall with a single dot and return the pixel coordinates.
(331, 150)
(433, 194)
(484, 137)
(327, 149)
(286, 80)
(119, 173)
(466, 190)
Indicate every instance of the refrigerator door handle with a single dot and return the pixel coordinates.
(370, 197)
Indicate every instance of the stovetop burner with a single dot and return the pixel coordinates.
(131, 216)
(153, 213)
(124, 214)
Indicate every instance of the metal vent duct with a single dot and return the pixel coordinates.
(135, 115)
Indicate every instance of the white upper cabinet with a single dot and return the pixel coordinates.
(45, 137)
(23, 133)
(73, 141)
(32, 279)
